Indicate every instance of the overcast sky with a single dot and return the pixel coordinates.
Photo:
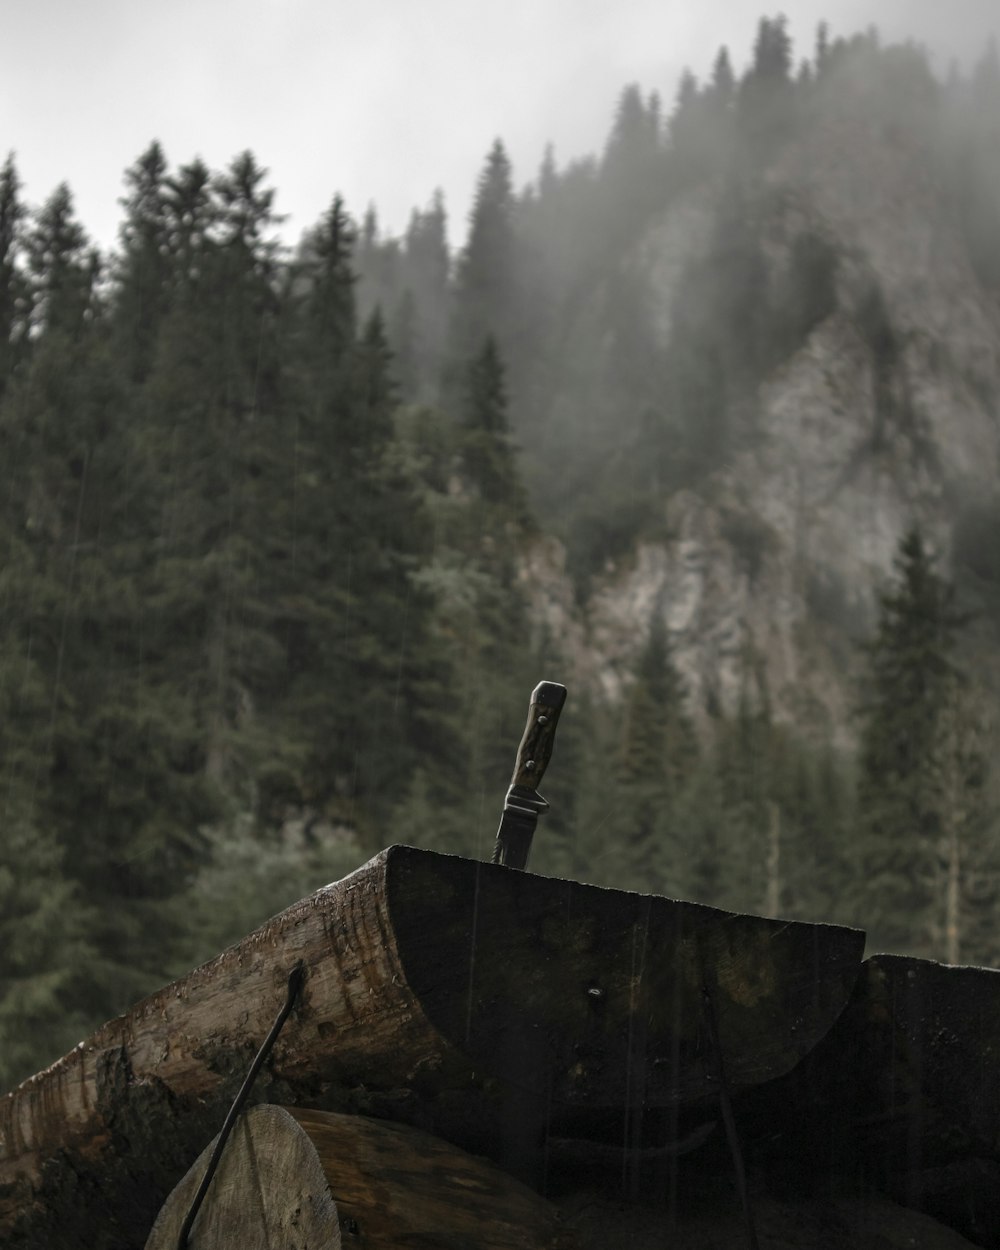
(382, 100)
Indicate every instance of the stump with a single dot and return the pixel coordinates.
(315, 1180)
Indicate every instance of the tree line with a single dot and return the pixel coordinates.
(261, 607)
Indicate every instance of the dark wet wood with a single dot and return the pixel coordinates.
(488, 1005)
(313, 1180)
(903, 1093)
(594, 998)
(299, 1178)
(872, 1222)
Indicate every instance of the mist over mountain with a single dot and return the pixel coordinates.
(705, 425)
(761, 328)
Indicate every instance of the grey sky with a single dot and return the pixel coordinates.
(382, 101)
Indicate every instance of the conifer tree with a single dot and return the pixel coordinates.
(658, 755)
(44, 948)
(744, 776)
(144, 269)
(632, 171)
(421, 318)
(111, 784)
(352, 616)
(772, 52)
(766, 114)
(211, 465)
(822, 55)
(723, 86)
(61, 267)
(912, 678)
(388, 540)
(486, 280)
(487, 451)
(330, 305)
(635, 139)
(311, 608)
(13, 289)
(191, 214)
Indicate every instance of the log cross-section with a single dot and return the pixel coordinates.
(314, 1180)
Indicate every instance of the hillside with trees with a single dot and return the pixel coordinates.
(290, 535)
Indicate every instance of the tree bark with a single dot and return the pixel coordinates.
(485, 1004)
(314, 1180)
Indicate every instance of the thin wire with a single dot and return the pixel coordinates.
(295, 979)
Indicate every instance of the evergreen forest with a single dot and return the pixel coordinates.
(265, 514)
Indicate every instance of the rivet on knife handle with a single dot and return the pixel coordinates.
(524, 804)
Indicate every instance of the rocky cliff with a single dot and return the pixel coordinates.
(885, 415)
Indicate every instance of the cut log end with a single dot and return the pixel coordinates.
(270, 1189)
(315, 1180)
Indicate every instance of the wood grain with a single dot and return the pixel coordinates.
(312, 1180)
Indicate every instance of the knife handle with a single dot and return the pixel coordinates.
(535, 751)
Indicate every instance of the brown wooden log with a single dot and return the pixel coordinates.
(314, 1180)
(477, 1001)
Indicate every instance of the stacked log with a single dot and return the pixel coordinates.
(902, 1095)
(315, 1180)
(484, 1057)
(495, 1009)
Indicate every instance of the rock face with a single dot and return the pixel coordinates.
(886, 415)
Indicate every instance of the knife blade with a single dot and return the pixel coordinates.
(523, 804)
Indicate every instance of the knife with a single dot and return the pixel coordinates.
(523, 804)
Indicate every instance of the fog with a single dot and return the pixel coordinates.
(383, 103)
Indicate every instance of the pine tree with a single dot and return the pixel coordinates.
(723, 85)
(144, 269)
(632, 171)
(822, 54)
(486, 448)
(743, 880)
(111, 782)
(46, 950)
(634, 141)
(351, 615)
(766, 93)
(191, 215)
(912, 678)
(486, 277)
(772, 52)
(424, 307)
(389, 538)
(44, 947)
(480, 618)
(62, 269)
(14, 306)
(330, 304)
(684, 116)
(658, 757)
(212, 460)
